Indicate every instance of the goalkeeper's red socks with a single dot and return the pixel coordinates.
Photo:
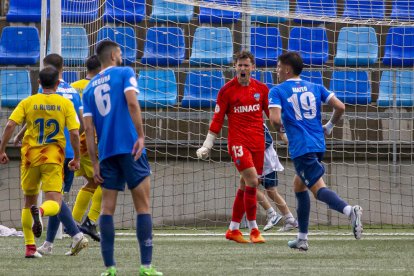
(250, 203)
(238, 207)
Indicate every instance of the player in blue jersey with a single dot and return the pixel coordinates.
(111, 108)
(298, 104)
(79, 241)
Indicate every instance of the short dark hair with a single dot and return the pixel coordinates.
(243, 55)
(48, 77)
(55, 60)
(104, 49)
(93, 64)
(292, 59)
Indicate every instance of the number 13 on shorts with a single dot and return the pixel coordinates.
(237, 151)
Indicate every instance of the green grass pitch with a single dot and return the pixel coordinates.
(178, 253)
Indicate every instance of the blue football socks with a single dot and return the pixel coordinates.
(303, 211)
(332, 199)
(65, 216)
(144, 235)
(106, 224)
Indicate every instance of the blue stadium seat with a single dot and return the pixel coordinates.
(351, 87)
(356, 46)
(25, 11)
(157, 88)
(311, 43)
(163, 12)
(364, 9)
(212, 46)
(216, 16)
(399, 47)
(201, 88)
(74, 46)
(70, 76)
(15, 86)
(125, 37)
(403, 10)
(75, 11)
(317, 8)
(19, 46)
(265, 45)
(267, 77)
(312, 76)
(124, 11)
(164, 46)
(403, 81)
(269, 5)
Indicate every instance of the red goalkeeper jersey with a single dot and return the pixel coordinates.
(244, 106)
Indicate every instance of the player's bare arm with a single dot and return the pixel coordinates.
(275, 117)
(74, 164)
(19, 137)
(339, 109)
(7, 134)
(135, 112)
(80, 116)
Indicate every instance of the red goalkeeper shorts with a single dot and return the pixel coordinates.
(243, 158)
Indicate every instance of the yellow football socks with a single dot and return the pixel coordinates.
(95, 210)
(50, 208)
(27, 222)
(81, 204)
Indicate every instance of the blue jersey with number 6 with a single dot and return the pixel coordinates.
(300, 102)
(104, 100)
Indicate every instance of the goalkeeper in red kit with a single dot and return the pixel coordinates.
(243, 100)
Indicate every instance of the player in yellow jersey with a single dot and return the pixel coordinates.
(42, 152)
(90, 190)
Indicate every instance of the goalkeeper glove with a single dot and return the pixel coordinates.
(204, 151)
(327, 128)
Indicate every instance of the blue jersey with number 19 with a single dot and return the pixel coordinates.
(104, 100)
(300, 102)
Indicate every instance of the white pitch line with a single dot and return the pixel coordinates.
(273, 238)
(313, 234)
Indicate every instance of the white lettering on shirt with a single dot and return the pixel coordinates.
(246, 108)
(299, 89)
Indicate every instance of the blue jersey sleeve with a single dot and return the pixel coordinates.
(79, 100)
(130, 81)
(274, 98)
(326, 95)
(87, 111)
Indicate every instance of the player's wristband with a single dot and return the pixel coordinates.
(209, 142)
(329, 126)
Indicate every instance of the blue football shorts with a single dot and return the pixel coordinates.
(309, 167)
(270, 180)
(121, 168)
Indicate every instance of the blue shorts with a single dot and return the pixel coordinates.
(309, 167)
(121, 168)
(68, 176)
(270, 180)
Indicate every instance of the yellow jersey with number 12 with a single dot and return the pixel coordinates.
(46, 116)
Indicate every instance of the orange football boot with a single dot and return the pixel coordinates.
(235, 235)
(256, 237)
